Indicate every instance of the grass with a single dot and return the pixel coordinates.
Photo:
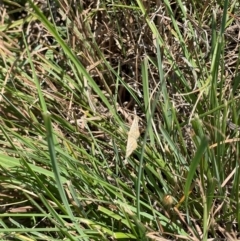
(73, 76)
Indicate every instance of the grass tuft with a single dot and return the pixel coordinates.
(75, 76)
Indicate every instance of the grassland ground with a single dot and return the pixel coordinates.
(119, 120)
